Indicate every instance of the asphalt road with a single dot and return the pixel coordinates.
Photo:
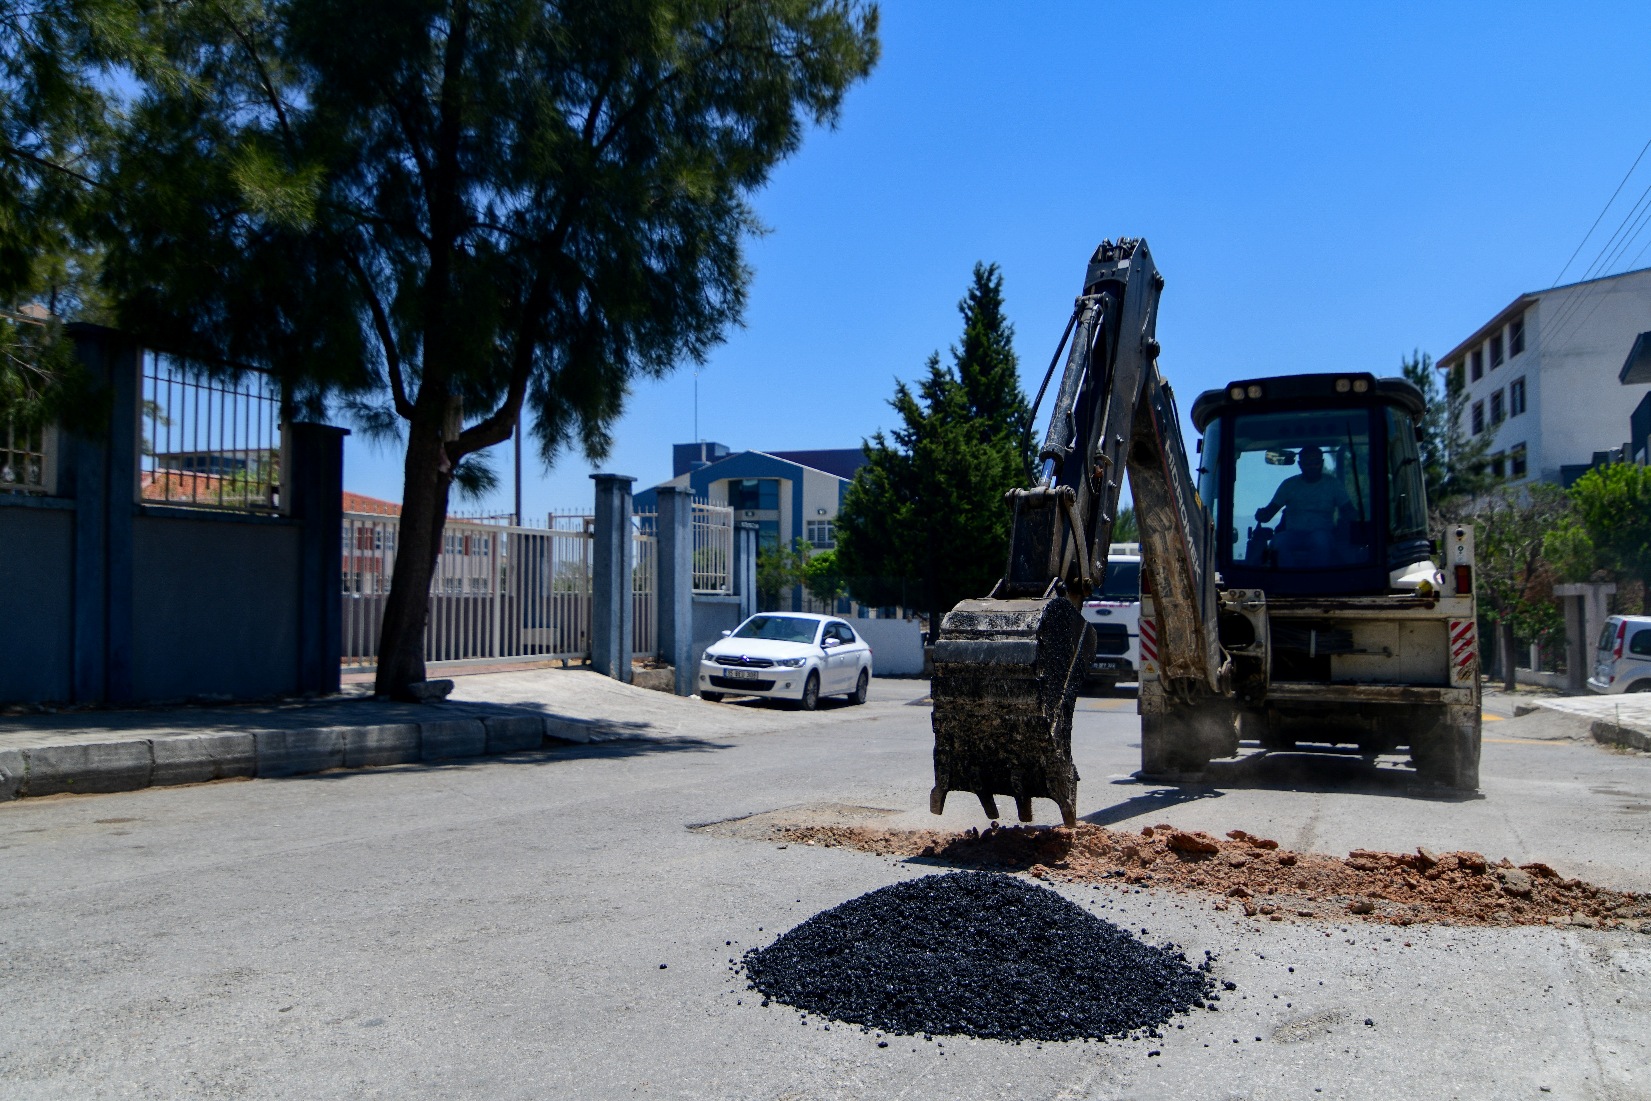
(495, 929)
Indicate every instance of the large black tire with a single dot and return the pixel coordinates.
(1444, 744)
(1178, 741)
(811, 693)
(862, 688)
(711, 697)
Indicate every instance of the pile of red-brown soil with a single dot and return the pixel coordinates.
(1253, 875)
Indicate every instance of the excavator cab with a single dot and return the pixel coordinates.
(1314, 484)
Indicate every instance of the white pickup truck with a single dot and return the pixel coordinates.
(1115, 613)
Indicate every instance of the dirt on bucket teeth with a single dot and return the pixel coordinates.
(1255, 876)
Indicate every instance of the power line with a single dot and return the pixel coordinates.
(1602, 211)
(1566, 317)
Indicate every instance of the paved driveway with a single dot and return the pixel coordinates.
(495, 929)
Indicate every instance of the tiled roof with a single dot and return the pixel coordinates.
(360, 502)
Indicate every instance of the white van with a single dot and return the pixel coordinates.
(1623, 660)
(1115, 613)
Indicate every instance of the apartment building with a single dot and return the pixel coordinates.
(1542, 376)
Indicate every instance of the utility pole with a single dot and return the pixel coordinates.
(517, 436)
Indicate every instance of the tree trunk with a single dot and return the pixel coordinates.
(427, 479)
(1510, 678)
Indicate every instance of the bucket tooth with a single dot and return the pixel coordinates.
(1006, 678)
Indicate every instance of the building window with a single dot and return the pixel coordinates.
(821, 533)
(1516, 460)
(1478, 360)
(1516, 397)
(1496, 416)
(1496, 350)
(1478, 417)
(750, 494)
(1499, 466)
(1516, 336)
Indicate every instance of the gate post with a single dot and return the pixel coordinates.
(745, 568)
(611, 613)
(675, 583)
(314, 496)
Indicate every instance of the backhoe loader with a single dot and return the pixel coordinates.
(1291, 594)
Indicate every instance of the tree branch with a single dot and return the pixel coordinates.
(386, 333)
(10, 150)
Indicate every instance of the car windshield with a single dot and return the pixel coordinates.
(779, 628)
(1123, 581)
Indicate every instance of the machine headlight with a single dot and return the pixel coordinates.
(790, 663)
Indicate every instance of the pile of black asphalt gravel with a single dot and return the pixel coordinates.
(977, 954)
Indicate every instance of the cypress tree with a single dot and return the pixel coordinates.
(924, 524)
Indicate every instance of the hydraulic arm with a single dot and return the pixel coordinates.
(1008, 667)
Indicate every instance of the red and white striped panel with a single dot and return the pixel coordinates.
(1464, 651)
(1149, 646)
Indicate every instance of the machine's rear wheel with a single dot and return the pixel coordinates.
(1444, 743)
(1178, 739)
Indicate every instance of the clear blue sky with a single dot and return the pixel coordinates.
(1324, 186)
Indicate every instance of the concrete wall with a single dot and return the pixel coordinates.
(36, 603)
(216, 607)
(896, 645)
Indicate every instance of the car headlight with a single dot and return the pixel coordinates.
(790, 663)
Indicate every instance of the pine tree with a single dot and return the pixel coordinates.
(1453, 463)
(924, 523)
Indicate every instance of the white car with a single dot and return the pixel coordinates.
(1622, 662)
(788, 656)
(1115, 613)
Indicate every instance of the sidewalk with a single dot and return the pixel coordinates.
(1623, 720)
(488, 713)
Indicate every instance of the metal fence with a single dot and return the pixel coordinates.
(208, 442)
(644, 584)
(26, 456)
(713, 548)
(500, 592)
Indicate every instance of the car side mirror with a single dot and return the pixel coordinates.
(831, 642)
(725, 634)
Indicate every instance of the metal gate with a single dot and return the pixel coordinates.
(500, 592)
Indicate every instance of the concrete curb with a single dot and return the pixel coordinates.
(197, 758)
(87, 767)
(191, 758)
(11, 773)
(1609, 733)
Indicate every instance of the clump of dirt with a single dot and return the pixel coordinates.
(1253, 875)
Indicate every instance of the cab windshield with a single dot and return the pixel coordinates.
(1301, 490)
(779, 628)
(1123, 581)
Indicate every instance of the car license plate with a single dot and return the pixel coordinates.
(742, 674)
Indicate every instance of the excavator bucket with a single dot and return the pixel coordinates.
(1006, 678)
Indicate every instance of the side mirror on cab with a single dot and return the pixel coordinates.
(725, 634)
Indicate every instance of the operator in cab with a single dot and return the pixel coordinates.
(1315, 508)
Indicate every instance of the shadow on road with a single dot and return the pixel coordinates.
(1342, 772)
(551, 754)
(1149, 802)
